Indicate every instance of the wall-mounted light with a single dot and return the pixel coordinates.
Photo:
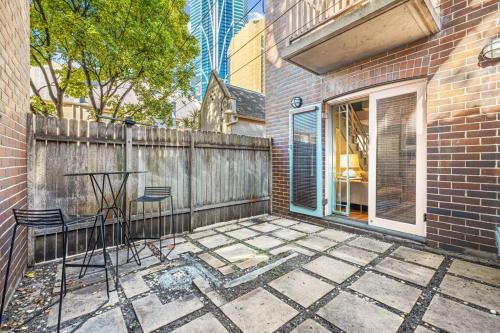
(491, 51)
(296, 102)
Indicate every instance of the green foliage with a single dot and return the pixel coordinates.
(110, 50)
(39, 106)
(193, 122)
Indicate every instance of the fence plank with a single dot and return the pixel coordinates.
(214, 177)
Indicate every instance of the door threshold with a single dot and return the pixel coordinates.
(364, 225)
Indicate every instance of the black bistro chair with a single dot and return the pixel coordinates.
(154, 194)
(52, 218)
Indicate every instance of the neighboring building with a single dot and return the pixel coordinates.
(399, 129)
(14, 107)
(233, 110)
(214, 23)
(246, 60)
(185, 108)
(74, 108)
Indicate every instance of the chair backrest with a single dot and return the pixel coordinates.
(151, 191)
(40, 218)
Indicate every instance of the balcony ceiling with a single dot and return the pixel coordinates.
(378, 26)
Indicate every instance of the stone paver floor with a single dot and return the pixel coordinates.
(269, 274)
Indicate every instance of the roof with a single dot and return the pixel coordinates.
(248, 103)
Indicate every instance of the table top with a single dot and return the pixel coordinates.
(97, 173)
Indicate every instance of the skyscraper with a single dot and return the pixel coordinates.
(246, 60)
(214, 23)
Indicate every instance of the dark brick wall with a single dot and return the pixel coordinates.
(14, 105)
(463, 116)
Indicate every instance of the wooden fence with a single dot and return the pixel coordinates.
(214, 177)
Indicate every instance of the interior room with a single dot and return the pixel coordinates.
(350, 130)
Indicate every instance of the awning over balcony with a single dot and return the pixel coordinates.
(369, 28)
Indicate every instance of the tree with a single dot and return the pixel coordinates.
(111, 50)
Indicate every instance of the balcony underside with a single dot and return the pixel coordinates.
(373, 28)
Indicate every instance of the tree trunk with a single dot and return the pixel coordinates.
(60, 104)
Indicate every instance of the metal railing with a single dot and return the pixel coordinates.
(311, 14)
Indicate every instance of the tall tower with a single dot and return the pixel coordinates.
(214, 23)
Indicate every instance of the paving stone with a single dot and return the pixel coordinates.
(301, 287)
(228, 227)
(423, 329)
(423, 258)
(180, 249)
(390, 292)
(133, 285)
(332, 269)
(353, 254)
(93, 275)
(203, 324)
(242, 233)
(291, 247)
(353, 314)
(306, 227)
(201, 234)
(316, 243)
(226, 270)
(264, 242)
(109, 322)
(82, 301)
(247, 223)
(473, 292)
(258, 311)
(265, 227)
(405, 271)
(455, 317)
(152, 314)
(170, 240)
(371, 244)
(310, 326)
(285, 222)
(211, 260)
(288, 234)
(215, 241)
(147, 259)
(236, 252)
(335, 235)
(476, 271)
(253, 261)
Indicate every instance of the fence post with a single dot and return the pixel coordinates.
(30, 120)
(270, 176)
(128, 164)
(190, 178)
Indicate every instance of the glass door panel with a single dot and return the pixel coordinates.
(306, 188)
(397, 188)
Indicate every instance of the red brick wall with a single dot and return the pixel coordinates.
(14, 105)
(463, 116)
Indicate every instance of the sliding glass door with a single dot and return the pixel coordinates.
(397, 159)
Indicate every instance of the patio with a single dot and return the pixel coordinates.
(267, 274)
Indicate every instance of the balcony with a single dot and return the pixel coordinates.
(325, 35)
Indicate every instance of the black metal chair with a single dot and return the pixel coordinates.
(154, 194)
(52, 218)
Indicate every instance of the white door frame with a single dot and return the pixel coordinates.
(419, 228)
(418, 85)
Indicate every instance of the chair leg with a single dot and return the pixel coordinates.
(143, 223)
(83, 270)
(172, 217)
(5, 285)
(160, 228)
(129, 221)
(104, 254)
(63, 277)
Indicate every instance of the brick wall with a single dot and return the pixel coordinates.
(463, 116)
(14, 104)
